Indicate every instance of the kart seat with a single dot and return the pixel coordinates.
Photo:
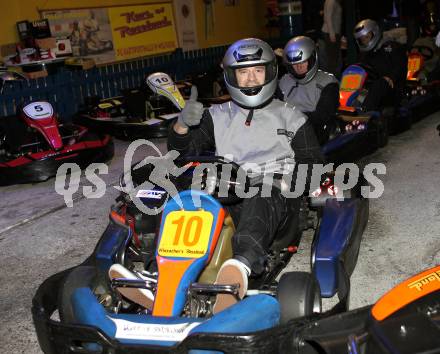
(135, 102)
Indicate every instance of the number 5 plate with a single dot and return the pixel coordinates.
(186, 234)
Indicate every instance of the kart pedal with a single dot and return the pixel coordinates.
(131, 286)
(197, 288)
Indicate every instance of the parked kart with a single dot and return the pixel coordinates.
(34, 144)
(142, 113)
(422, 92)
(356, 133)
(138, 114)
(172, 269)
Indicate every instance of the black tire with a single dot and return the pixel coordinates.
(382, 133)
(299, 295)
(81, 276)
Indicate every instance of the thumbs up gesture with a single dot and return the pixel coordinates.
(192, 112)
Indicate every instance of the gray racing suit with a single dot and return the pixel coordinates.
(277, 138)
(318, 99)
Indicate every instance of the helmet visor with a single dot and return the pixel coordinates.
(251, 76)
(365, 40)
(300, 69)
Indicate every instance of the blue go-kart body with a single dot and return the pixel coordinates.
(89, 326)
(355, 133)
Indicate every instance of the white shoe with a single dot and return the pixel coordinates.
(231, 272)
(143, 297)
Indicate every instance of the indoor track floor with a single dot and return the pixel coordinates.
(40, 236)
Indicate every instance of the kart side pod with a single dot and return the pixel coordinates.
(336, 245)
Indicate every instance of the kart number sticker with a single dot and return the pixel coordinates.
(38, 110)
(162, 84)
(351, 82)
(105, 105)
(186, 234)
(152, 331)
(172, 92)
(414, 64)
(150, 194)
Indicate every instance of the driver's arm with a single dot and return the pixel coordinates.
(398, 68)
(326, 107)
(306, 146)
(307, 151)
(193, 141)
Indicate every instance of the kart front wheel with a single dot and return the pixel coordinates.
(82, 276)
(299, 295)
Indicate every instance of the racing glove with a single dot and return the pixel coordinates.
(192, 113)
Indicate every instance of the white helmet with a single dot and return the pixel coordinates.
(245, 53)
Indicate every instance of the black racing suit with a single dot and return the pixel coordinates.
(388, 60)
(274, 130)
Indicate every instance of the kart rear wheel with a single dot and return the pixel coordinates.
(82, 276)
(299, 295)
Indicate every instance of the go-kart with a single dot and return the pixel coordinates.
(421, 94)
(34, 144)
(356, 133)
(141, 113)
(171, 261)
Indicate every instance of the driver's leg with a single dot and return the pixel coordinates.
(259, 219)
(377, 93)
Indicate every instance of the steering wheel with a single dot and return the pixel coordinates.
(427, 52)
(221, 178)
(216, 176)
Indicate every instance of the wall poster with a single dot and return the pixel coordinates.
(116, 33)
(186, 24)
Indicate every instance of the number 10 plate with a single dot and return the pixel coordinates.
(186, 234)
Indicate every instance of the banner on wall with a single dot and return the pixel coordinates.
(143, 30)
(186, 24)
(116, 33)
